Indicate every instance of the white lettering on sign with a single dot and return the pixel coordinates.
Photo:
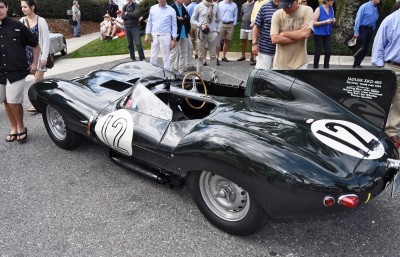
(363, 88)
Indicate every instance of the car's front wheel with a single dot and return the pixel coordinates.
(64, 51)
(225, 204)
(58, 130)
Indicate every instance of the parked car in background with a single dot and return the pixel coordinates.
(57, 44)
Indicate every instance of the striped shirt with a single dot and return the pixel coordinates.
(263, 22)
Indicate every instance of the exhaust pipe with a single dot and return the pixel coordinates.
(160, 176)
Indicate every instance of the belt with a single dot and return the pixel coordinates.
(394, 63)
(227, 22)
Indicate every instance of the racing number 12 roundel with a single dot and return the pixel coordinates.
(348, 138)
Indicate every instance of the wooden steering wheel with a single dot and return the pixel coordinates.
(191, 85)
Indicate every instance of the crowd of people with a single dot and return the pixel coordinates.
(277, 31)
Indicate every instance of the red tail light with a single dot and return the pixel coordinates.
(329, 201)
(349, 201)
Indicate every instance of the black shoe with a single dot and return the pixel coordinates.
(218, 64)
(133, 59)
(357, 67)
(205, 64)
(252, 60)
(224, 59)
(196, 56)
(241, 59)
(252, 63)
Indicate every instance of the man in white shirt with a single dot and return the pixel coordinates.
(162, 26)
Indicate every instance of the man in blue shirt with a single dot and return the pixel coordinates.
(229, 13)
(386, 53)
(161, 24)
(179, 53)
(366, 19)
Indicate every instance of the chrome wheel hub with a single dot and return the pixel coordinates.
(56, 123)
(226, 199)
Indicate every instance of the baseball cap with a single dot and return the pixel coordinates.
(286, 3)
(106, 15)
(119, 11)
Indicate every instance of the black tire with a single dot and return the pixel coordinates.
(64, 51)
(246, 216)
(58, 131)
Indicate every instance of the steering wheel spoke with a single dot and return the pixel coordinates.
(189, 82)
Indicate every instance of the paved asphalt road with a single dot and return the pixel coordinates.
(78, 203)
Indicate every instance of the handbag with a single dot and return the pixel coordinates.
(73, 22)
(50, 61)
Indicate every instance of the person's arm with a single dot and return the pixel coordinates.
(218, 19)
(316, 17)
(358, 21)
(235, 15)
(36, 52)
(195, 17)
(378, 48)
(149, 25)
(44, 35)
(300, 34)
(254, 42)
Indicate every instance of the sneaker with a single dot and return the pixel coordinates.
(241, 59)
(218, 64)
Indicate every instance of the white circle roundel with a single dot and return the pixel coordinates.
(348, 138)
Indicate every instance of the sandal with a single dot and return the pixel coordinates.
(31, 109)
(11, 137)
(25, 134)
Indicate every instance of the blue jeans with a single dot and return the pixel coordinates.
(76, 28)
(365, 38)
(319, 42)
(133, 35)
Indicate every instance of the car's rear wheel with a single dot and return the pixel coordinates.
(58, 130)
(225, 204)
(64, 51)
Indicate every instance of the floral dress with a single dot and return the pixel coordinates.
(29, 49)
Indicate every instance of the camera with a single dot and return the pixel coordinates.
(206, 30)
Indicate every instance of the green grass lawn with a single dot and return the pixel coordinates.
(120, 46)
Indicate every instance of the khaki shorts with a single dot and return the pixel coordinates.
(13, 93)
(246, 35)
(226, 31)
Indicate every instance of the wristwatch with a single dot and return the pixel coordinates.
(253, 44)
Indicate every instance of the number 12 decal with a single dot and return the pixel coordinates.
(348, 138)
(116, 131)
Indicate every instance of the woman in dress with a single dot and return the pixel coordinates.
(38, 26)
(324, 17)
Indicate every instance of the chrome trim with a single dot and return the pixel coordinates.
(342, 196)
(393, 164)
(327, 198)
